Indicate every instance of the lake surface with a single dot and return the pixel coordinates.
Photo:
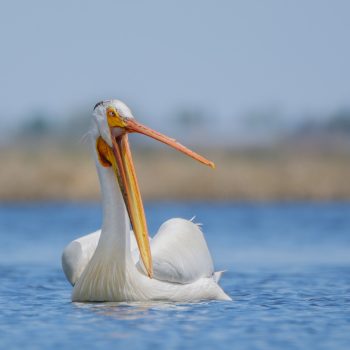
(288, 272)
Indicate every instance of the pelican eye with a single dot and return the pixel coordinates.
(114, 119)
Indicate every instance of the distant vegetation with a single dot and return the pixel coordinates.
(262, 157)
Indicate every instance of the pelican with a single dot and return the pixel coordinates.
(118, 264)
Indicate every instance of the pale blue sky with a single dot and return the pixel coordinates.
(226, 57)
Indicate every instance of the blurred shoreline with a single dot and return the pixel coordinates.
(276, 173)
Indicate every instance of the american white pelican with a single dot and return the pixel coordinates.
(105, 266)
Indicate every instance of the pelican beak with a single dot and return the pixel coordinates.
(134, 126)
(120, 158)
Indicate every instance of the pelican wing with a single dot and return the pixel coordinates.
(77, 254)
(180, 253)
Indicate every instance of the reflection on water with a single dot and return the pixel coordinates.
(288, 274)
(131, 310)
(120, 311)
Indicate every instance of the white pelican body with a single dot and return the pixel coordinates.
(105, 265)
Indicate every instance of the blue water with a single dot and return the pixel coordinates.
(288, 272)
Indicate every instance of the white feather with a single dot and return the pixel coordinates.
(180, 253)
(183, 268)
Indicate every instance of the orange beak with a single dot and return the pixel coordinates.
(134, 126)
(120, 158)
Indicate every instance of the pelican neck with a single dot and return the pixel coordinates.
(115, 231)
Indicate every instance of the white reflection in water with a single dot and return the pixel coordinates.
(131, 310)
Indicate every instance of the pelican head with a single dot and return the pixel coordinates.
(105, 120)
(113, 122)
